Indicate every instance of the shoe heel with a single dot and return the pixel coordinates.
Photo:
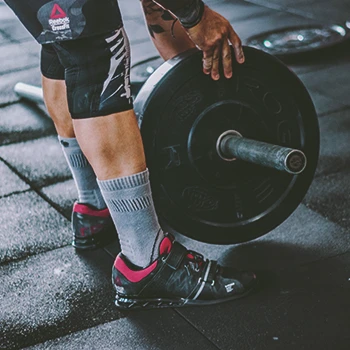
(93, 242)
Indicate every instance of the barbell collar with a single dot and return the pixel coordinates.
(231, 146)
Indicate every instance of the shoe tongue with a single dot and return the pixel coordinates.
(165, 246)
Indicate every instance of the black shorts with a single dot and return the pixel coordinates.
(96, 70)
(94, 65)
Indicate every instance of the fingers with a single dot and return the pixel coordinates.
(213, 60)
(207, 62)
(216, 61)
(237, 46)
(227, 60)
(219, 54)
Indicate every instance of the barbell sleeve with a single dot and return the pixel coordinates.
(233, 146)
(29, 92)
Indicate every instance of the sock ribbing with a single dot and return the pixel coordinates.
(125, 182)
(78, 160)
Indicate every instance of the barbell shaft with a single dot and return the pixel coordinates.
(264, 154)
(29, 92)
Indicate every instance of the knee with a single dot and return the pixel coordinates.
(55, 97)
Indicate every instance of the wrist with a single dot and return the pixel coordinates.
(191, 14)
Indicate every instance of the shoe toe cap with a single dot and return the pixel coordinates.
(244, 280)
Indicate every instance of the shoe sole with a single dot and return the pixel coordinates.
(123, 303)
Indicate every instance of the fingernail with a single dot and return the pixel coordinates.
(217, 77)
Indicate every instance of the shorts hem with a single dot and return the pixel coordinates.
(52, 76)
(102, 113)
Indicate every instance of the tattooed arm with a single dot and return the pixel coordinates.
(167, 34)
(210, 32)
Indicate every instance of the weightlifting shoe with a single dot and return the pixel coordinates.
(92, 228)
(178, 278)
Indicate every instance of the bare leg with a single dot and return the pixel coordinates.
(97, 136)
(55, 96)
(168, 36)
(114, 148)
(112, 144)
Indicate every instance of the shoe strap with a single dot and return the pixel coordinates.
(212, 272)
(175, 256)
(170, 263)
(207, 278)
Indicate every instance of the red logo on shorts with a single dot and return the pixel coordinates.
(57, 12)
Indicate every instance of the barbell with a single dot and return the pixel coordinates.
(231, 159)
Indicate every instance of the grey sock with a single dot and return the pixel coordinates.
(83, 174)
(130, 203)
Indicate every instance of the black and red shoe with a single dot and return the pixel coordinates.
(179, 277)
(92, 228)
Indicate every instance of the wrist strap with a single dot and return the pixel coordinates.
(190, 15)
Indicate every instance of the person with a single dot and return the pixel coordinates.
(85, 65)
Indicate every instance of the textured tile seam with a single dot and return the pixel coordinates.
(37, 189)
(14, 193)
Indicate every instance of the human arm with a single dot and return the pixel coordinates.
(210, 32)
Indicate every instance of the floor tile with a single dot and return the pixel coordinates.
(10, 182)
(41, 161)
(29, 225)
(150, 330)
(54, 294)
(303, 308)
(20, 122)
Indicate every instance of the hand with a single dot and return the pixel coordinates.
(212, 35)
